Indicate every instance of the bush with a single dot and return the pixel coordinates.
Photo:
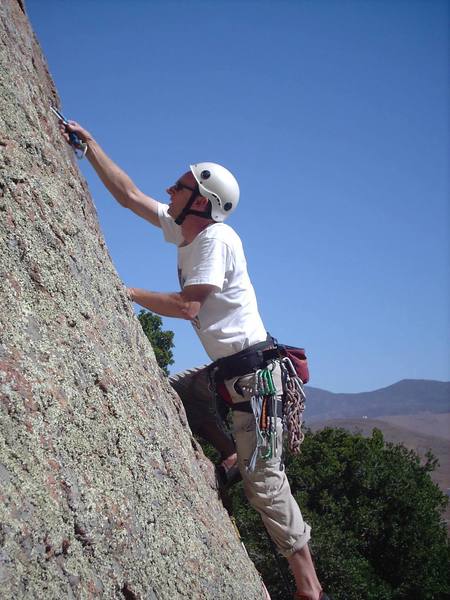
(376, 519)
(162, 341)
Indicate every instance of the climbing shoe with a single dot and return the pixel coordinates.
(227, 477)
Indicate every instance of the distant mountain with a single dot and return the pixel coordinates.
(408, 396)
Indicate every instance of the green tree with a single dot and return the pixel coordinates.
(376, 517)
(162, 341)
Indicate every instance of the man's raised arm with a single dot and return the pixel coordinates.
(114, 178)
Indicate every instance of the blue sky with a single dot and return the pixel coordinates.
(332, 115)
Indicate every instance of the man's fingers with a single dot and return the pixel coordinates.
(74, 127)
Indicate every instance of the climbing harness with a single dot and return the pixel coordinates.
(79, 147)
(266, 402)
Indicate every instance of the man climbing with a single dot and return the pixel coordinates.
(218, 298)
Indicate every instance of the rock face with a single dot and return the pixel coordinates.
(103, 491)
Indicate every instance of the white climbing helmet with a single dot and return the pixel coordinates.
(218, 185)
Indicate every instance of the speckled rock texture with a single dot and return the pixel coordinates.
(103, 491)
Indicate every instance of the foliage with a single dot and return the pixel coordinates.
(162, 341)
(376, 519)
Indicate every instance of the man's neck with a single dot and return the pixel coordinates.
(192, 226)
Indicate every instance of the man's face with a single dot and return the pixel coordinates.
(179, 193)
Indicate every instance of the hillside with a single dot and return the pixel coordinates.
(409, 396)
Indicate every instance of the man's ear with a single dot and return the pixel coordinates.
(200, 203)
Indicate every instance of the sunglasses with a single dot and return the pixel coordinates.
(178, 186)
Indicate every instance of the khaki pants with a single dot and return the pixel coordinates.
(267, 487)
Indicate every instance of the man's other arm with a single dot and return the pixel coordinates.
(114, 178)
(182, 305)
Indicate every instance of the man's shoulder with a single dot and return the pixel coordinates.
(172, 231)
(221, 232)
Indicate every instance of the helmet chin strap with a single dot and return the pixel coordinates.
(205, 214)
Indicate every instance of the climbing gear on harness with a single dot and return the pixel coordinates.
(298, 359)
(264, 405)
(293, 405)
(219, 185)
(79, 147)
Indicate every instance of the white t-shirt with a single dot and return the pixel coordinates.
(228, 320)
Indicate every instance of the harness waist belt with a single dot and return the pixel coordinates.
(246, 361)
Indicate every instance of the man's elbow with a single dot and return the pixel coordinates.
(127, 198)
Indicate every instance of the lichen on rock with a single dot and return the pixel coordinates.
(103, 491)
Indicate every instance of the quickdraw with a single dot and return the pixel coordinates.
(264, 406)
(79, 147)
